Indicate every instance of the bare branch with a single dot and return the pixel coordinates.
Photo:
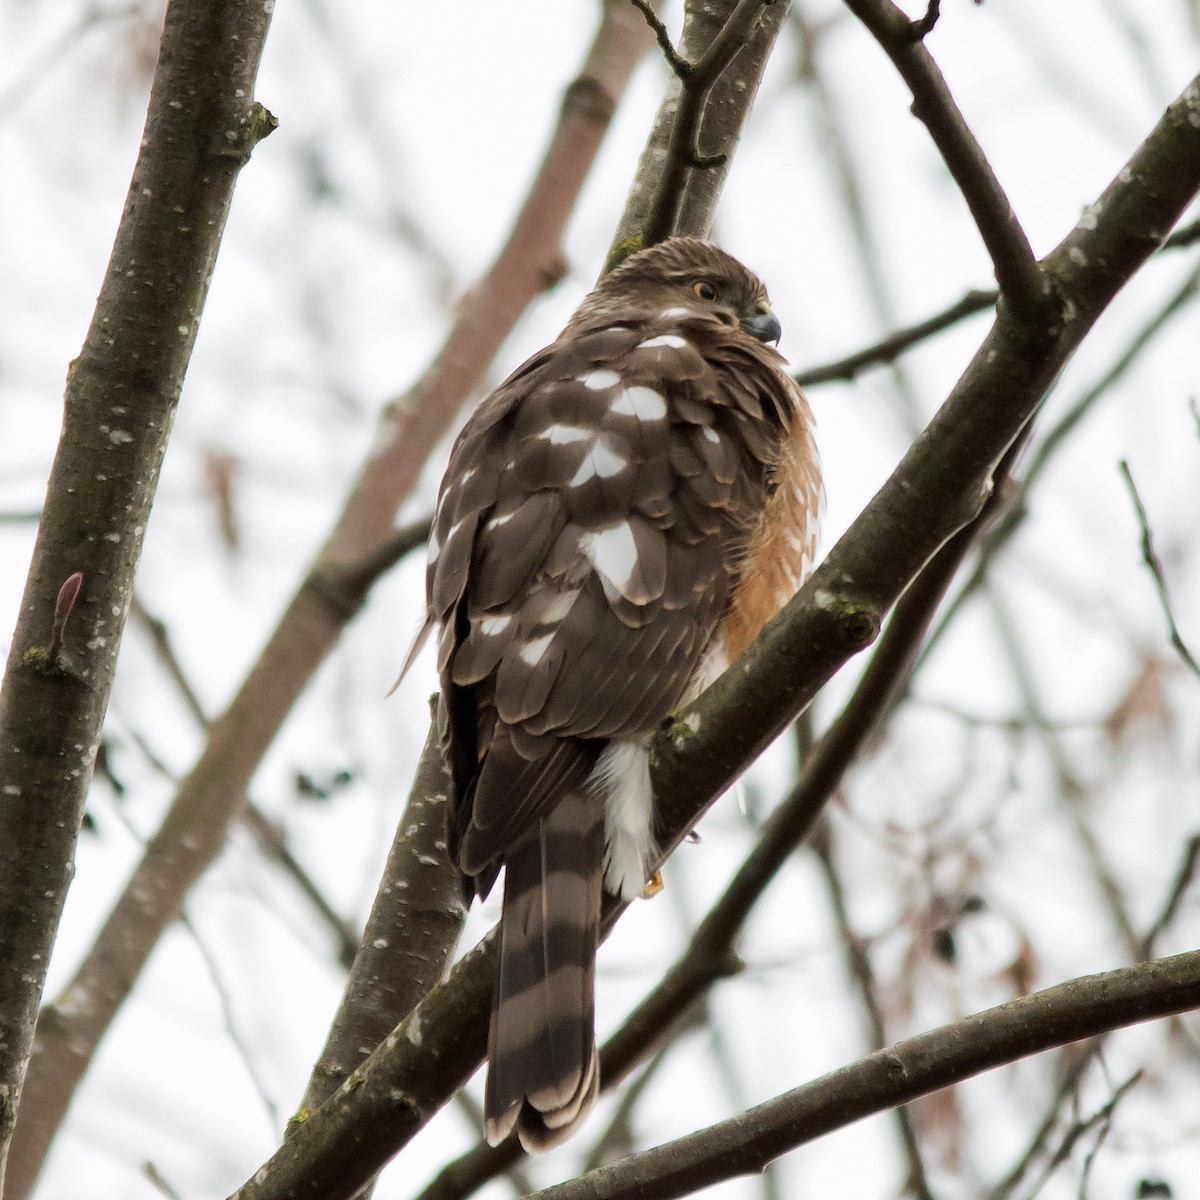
(1020, 278)
(1151, 559)
(697, 80)
(1054, 439)
(914, 1067)
(121, 394)
(888, 349)
(410, 935)
(858, 966)
(1185, 876)
(266, 833)
(722, 116)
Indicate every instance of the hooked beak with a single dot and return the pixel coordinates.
(763, 326)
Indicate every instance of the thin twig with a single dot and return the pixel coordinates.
(1055, 438)
(858, 965)
(1103, 1118)
(887, 349)
(1018, 273)
(229, 1018)
(1066, 1088)
(923, 27)
(266, 832)
(1184, 877)
(1151, 559)
(678, 64)
(979, 300)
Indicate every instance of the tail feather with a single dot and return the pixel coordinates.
(543, 1074)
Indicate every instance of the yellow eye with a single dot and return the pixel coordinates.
(704, 290)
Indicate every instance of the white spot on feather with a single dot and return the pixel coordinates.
(678, 311)
(503, 519)
(641, 402)
(712, 435)
(600, 461)
(564, 435)
(494, 625)
(666, 339)
(597, 381)
(623, 774)
(613, 553)
(533, 652)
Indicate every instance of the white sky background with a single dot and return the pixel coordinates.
(319, 313)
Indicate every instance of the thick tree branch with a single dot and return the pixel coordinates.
(196, 825)
(411, 933)
(724, 112)
(697, 80)
(1017, 271)
(121, 394)
(939, 486)
(1080, 1008)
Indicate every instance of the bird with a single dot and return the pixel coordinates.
(616, 523)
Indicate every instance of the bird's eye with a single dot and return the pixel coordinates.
(704, 290)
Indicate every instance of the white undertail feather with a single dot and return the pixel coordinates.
(623, 775)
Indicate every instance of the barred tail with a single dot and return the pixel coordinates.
(543, 1073)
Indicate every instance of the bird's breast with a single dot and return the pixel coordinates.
(782, 547)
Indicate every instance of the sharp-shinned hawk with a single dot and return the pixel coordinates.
(617, 522)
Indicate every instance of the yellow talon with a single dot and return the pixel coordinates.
(655, 886)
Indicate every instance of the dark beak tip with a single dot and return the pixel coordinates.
(765, 327)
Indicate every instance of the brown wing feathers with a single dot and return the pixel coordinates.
(592, 536)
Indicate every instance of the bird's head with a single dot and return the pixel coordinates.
(693, 276)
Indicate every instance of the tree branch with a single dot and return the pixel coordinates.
(998, 536)
(1069, 1012)
(410, 935)
(696, 81)
(1017, 272)
(121, 394)
(689, 203)
(1154, 563)
(889, 348)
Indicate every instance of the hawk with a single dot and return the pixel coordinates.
(617, 521)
